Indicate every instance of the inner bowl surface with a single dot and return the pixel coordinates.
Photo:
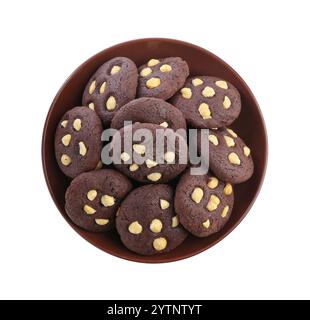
(250, 125)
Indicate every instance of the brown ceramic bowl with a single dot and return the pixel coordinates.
(250, 125)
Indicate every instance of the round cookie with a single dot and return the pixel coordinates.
(208, 102)
(93, 199)
(144, 161)
(147, 223)
(229, 157)
(113, 85)
(150, 110)
(78, 141)
(162, 78)
(203, 203)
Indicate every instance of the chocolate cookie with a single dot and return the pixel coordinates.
(162, 78)
(113, 85)
(229, 157)
(203, 203)
(78, 141)
(147, 223)
(150, 110)
(145, 161)
(93, 199)
(208, 102)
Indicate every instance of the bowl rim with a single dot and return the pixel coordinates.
(143, 259)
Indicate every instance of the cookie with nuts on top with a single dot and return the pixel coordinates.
(146, 160)
(113, 85)
(147, 222)
(150, 110)
(93, 199)
(162, 78)
(229, 157)
(203, 203)
(208, 102)
(78, 141)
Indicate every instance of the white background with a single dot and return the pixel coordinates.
(42, 42)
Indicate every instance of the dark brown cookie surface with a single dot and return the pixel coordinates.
(93, 199)
(147, 222)
(229, 157)
(208, 102)
(144, 161)
(203, 203)
(113, 85)
(150, 110)
(78, 141)
(162, 78)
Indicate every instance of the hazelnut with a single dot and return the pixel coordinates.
(213, 183)
(208, 92)
(165, 68)
(65, 160)
(246, 151)
(125, 156)
(153, 83)
(222, 84)
(91, 195)
(139, 148)
(66, 140)
(77, 124)
(229, 141)
(186, 93)
(111, 103)
(102, 87)
(197, 195)
(133, 167)
(145, 72)
(92, 87)
(83, 149)
(226, 103)
(228, 189)
(206, 224)
(164, 204)
(154, 176)
(89, 210)
(115, 69)
(64, 123)
(156, 226)
(102, 222)
(160, 244)
(164, 124)
(196, 82)
(135, 228)
(150, 163)
(107, 201)
(91, 106)
(169, 156)
(153, 62)
(204, 111)
(225, 211)
(175, 221)
(232, 133)
(213, 139)
(213, 203)
(234, 158)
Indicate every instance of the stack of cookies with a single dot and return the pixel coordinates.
(153, 203)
